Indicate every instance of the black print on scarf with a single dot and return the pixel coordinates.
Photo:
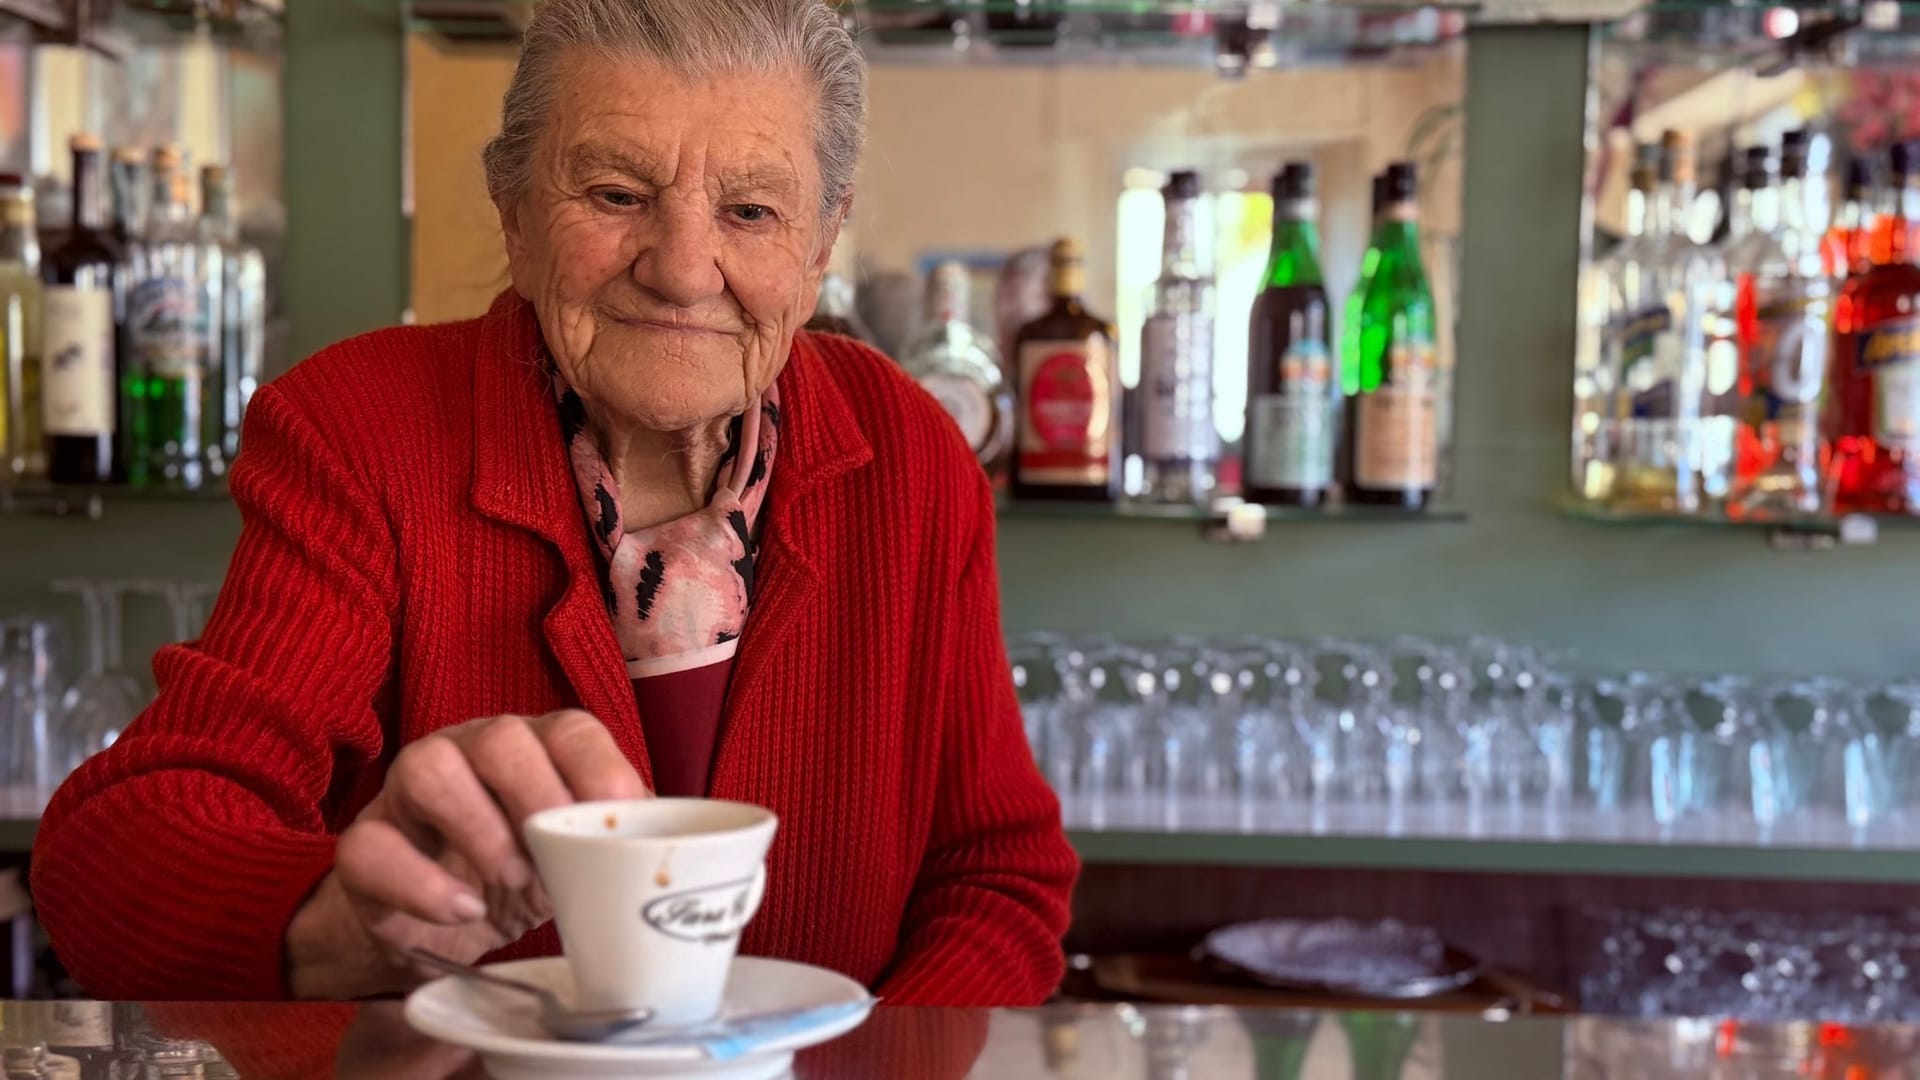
(651, 575)
(744, 564)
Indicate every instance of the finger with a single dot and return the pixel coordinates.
(378, 865)
(434, 788)
(588, 759)
(507, 756)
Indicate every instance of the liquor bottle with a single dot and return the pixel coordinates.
(1392, 380)
(1025, 23)
(1873, 414)
(1845, 249)
(1293, 397)
(1179, 444)
(1620, 316)
(20, 307)
(1067, 441)
(78, 342)
(959, 366)
(1663, 442)
(1357, 299)
(1784, 304)
(242, 308)
(172, 334)
(834, 311)
(127, 180)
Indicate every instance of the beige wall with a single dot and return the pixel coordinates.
(984, 158)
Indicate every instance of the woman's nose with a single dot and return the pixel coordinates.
(679, 257)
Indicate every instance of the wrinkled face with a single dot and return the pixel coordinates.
(671, 238)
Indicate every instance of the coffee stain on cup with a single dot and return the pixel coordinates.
(663, 877)
(612, 822)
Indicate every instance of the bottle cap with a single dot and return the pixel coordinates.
(1676, 156)
(1293, 182)
(1401, 182)
(1756, 167)
(129, 155)
(1379, 194)
(85, 143)
(1859, 178)
(1900, 160)
(1184, 184)
(166, 158)
(1065, 250)
(213, 174)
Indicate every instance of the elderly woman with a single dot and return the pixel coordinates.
(630, 531)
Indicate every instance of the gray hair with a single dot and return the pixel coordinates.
(695, 38)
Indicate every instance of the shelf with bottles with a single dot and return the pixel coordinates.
(1042, 399)
(1769, 39)
(1232, 38)
(129, 352)
(116, 29)
(1746, 352)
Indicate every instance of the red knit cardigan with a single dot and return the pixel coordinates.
(414, 556)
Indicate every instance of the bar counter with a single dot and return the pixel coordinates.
(1110, 1042)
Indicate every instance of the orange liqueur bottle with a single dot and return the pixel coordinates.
(1068, 432)
(1873, 409)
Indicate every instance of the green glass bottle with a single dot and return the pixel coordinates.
(1391, 374)
(1293, 391)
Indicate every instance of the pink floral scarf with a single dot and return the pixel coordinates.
(678, 591)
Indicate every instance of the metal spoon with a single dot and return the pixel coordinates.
(560, 1021)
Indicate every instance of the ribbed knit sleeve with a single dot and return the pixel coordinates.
(169, 866)
(992, 899)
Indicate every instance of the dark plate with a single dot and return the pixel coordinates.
(1387, 959)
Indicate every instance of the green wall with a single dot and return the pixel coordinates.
(1673, 597)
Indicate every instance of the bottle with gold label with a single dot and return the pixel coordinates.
(1391, 374)
(1067, 434)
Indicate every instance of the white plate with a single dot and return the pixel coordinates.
(502, 1025)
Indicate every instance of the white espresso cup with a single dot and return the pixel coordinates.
(650, 896)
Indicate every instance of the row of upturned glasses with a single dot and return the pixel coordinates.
(1477, 735)
(63, 700)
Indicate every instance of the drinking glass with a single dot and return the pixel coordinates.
(97, 708)
(1354, 742)
(32, 669)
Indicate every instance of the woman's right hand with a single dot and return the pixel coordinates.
(436, 861)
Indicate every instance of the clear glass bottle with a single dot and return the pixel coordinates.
(21, 300)
(1664, 446)
(1618, 317)
(241, 300)
(128, 182)
(959, 366)
(172, 336)
(1784, 308)
(1179, 445)
(835, 310)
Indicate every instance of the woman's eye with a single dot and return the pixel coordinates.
(618, 199)
(752, 212)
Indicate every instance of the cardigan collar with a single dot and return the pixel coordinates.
(521, 477)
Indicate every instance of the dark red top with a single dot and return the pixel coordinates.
(414, 557)
(681, 713)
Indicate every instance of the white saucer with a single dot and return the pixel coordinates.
(501, 1024)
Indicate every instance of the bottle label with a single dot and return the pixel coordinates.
(966, 402)
(1066, 412)
(168, 328)
(1396, 439)
(1892, 353)
(76, 380)
(1632, 347)
(1787, 357)
(1290, 434)
(1176, 379)
(73, 1025)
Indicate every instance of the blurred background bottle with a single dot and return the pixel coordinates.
(959, 366)
(172, 335)
(79, 335)
(1179, 445)
(1392, 378)
(1293, 398)
(21, 301)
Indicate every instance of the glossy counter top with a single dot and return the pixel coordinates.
(1108, 1042)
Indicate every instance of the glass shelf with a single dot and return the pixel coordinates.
(136, 22)
(1196, 832)
(1845, 529)
(91, 502)
(1770, 37)
(1339, 513)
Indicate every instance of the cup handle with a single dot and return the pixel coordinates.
(756, 892)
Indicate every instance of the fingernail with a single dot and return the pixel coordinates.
(515, 873)
(469, 907)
